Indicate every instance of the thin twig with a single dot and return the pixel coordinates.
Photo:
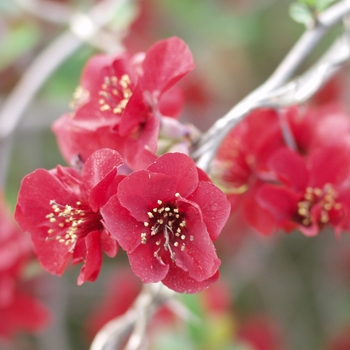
(46, 10)
(40, 70)
(207, 146)
(132, 325)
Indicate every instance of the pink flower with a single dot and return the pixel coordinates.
(166, 218)
(60, 209)
(310, 193)
(22, 313)
(261, 333)
(19, 310)
(118, 103)
(247, 169)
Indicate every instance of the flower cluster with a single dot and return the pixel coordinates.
(163, 211)
(121, 101)
(294, 176)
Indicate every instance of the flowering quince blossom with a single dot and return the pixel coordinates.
(309, 193)
(61, 210)
(165, 218)
(243, 163)
(20, 309)
(118, 104)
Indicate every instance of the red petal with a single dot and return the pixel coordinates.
(279, 201)
(146, 266)
(180, 281)
(92, 77)
(199, 256)
(121, 225)
(137, 112)
(165, 63)
(7, 288)
(214, 206)
(25, 313)
(139, 149)
(171, 102)
(72, 134)
(100, 164)
(93, 258)
(109, 244)
(140, 191)
(329, 165)
(182, 168)
(99, 194)
(259, 218)
(290, 168)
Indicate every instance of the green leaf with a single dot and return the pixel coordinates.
(321, 5)
(301, 13)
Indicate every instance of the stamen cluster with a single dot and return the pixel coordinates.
(325, 198)
(115, 94)
(167, 225)
(69, 223)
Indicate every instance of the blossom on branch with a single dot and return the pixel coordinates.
(309, 193)
(60, 208)
(293, 175)
(118, 104)
(166, 218)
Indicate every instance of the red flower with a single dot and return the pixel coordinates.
(243, 164)
(22, 313)
(117, 104)
(166, 218)
(311, 193)
(60, 209)
(18, 309)
(321, 126)
(261, 333)
(244, 152)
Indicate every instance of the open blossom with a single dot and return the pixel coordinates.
(243, 165)
(310, 192)
(166, 218)
(118, 104)
(61, 210)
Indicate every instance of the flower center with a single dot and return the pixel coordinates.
(166, 228)
(115, 94)
(326, 200)
(68, 223)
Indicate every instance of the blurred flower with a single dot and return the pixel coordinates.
(250, 167)
(171, 213)
(60, 209)
(19, 311)
(118, 103)
(261, 333)
(311, 193)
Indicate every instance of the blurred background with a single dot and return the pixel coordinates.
(275, 293)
